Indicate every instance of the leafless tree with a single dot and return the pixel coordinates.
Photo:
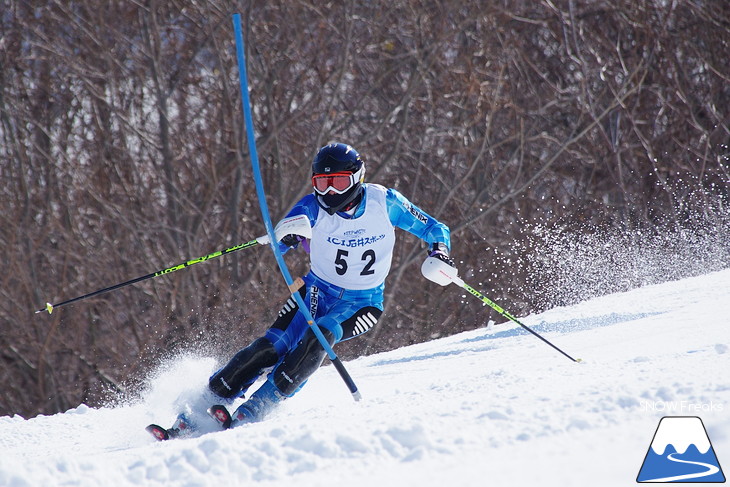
(123, 151)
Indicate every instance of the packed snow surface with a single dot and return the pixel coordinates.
(493, 407)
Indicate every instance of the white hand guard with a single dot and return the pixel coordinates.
(438, 271)
(294, 225)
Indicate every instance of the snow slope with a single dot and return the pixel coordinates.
(488, 407)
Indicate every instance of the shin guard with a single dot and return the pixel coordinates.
(243, 369)
(301, 362)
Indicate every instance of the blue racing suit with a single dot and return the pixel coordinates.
(350, 258)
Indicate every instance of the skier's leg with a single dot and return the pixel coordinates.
(362, 321)
(289, 375)
(289, 326)
(296, 367)
(234, 379)
(286, 378)
(243, 369)
(337, 321)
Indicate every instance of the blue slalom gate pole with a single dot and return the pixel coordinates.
(246, 102)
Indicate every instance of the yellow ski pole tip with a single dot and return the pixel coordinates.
(49, 308)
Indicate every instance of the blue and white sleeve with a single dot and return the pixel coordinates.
(407, 216)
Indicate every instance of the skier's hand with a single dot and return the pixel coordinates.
(291, 240)
(439, 267)
(293, 227)
(440, 252)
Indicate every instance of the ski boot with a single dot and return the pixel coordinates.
(182, 427)
(261, 403)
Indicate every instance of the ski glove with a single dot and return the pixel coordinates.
(291, 240)
(439, 251)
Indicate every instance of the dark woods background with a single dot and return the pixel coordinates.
(122, 152)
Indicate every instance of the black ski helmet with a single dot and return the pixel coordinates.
(337, 158)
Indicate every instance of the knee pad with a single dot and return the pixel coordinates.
(243, 369)
(301, 362)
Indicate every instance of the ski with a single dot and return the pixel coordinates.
(221, 415)
(158, 432)
(181, 428)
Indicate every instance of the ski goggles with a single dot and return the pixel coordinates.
(339, 182)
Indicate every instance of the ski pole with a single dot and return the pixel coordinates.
(459, 282)
(444, 274)
(261, 240)
(246, 102)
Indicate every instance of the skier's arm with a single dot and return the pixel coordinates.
(438, 266)
(407, 216)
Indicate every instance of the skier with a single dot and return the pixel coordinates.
(347, 226)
